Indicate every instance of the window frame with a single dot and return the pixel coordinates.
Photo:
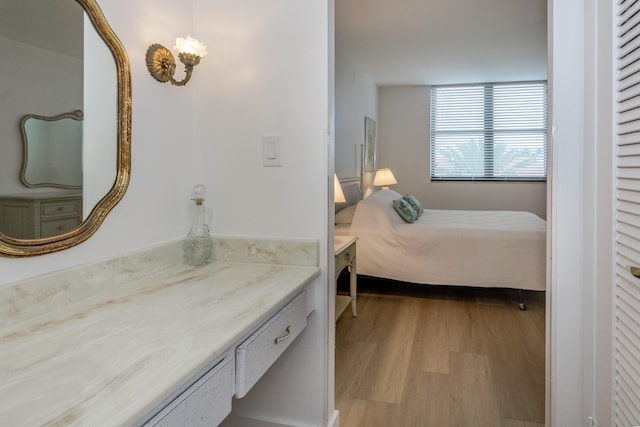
(488, 135)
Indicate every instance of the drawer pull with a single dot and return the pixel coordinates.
(60, 208)
(284, 337)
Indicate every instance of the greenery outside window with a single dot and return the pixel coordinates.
(489, 132)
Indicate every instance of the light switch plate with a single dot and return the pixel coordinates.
(271, 151)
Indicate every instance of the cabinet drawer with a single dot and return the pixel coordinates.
(60, 207)
(258, 352)
(344, 259)
(58, 226)
(206, 403)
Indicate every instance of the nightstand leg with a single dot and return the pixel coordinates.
(353, 286)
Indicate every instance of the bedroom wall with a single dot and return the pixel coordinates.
(356, 97)
(403, 146)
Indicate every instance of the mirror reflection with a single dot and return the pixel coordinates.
(60, 69)
(52, 150)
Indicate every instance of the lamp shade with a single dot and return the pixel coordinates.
(384, 178)
(190, 46)
(338, 194)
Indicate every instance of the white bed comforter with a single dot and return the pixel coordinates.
(468, 248)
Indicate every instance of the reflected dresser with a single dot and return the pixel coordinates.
(40, 215)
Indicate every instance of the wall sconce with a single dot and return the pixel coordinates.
(162, 65)
(384, 178)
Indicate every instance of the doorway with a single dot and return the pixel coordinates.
(363, 92)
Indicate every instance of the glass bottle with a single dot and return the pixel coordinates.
(198, 244)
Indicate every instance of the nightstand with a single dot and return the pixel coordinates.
(345, 253)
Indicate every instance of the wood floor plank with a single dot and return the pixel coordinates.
(372, 324)
(473, 328)
(426, 401)
(366, 413)
(473, 402)
(511, 339)
(431, 344)
(352, 360)
(387, 372)
(530, 323)
(518, 384)
(467, 362)
(346, 321)
(462, 327)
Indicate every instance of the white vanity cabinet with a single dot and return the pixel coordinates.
(206, 401)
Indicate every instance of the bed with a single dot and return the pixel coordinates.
(496, 249)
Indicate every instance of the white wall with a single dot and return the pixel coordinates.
(403, 146)
(267, 74)
(356, 97)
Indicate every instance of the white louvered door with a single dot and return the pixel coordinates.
(627, 287)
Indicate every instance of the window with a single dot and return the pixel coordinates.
(488, 132)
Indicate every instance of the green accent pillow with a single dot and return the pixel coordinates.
(417, 206)
(405, 210)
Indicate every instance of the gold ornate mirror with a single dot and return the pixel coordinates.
(64, 57)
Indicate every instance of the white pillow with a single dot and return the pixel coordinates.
(376, 214)
(345, 216)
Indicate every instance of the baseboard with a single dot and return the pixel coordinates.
(334, 420)
(235, 421)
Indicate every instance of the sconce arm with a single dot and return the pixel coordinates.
(188, 69)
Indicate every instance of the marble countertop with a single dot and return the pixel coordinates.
(110, 358)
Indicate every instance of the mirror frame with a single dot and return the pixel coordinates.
(74, 115)
(13, 247)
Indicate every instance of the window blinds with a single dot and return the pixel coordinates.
(627, 287)
(494, 131)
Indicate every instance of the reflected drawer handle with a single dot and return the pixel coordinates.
(285, 336)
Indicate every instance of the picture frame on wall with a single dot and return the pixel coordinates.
(369, 144)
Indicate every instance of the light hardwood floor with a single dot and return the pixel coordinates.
(446, 357)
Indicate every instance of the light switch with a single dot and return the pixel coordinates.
(271, 151)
